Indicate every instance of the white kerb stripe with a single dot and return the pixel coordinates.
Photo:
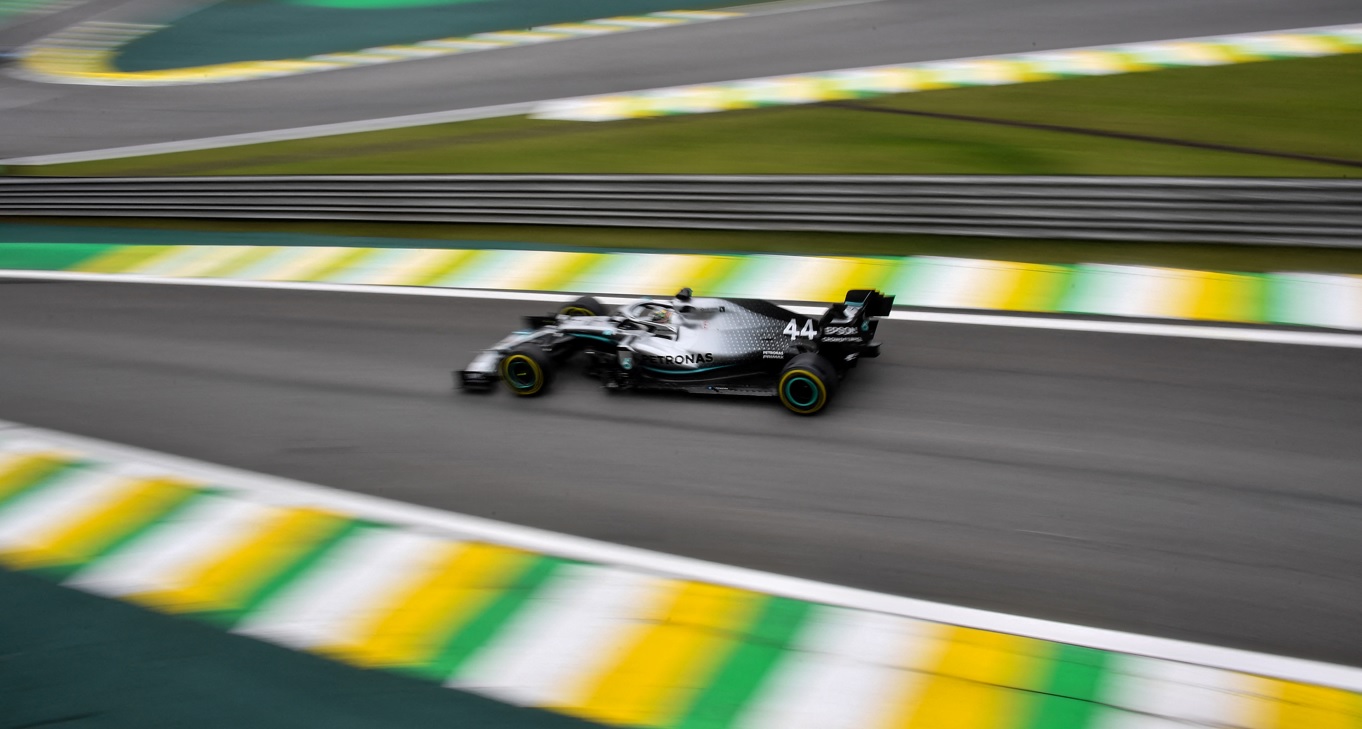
(298, 265)
(781, 277)
(13, 447)
(1325, 300)
(1139, 291)
(849, 667)
(360, 618)
(413, 263)
(109, 483)
(569, 633)
(363, 571)
(1181, 691)
(151, 562)
(951, 283)
(221, 256)
(40, 511)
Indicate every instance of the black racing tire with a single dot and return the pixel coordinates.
(806, 384)
(584, 306)
(526, 370)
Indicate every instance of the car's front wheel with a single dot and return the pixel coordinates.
(584, 306)
(526, 370)
(806, 384)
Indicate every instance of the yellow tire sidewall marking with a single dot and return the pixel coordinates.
(506, 375)
(813, 377)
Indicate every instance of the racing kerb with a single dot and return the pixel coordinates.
(1294, 299)
(853, 83)
(616, 635)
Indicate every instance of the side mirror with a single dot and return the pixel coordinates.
(684, 294)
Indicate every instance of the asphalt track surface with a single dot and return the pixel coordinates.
(40, 119)
(1184, 488)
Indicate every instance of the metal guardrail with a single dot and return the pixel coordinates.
(1302, 212)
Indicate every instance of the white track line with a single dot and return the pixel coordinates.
(280, 490)
(280, 135)
(1190, 331)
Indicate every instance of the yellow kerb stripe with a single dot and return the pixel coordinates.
(563, 273)
(665, 274)
(652, 679)
(414, 266)
(1034, 287)
(416, 624)
(840, 275)
(976, 683)
(80, 540)
(192, 260)
(243, 258)
(1291, 705)
(19, 471)
(333, 265)
(225, 581)
(439, 270)
(707, 274)
(1222, 297)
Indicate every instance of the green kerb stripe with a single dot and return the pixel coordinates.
(129, 532)
(48, 256)
(301, 566)
(30, 480)
(479, 631)
(1069, 699)
(748, 665)
(285, 573)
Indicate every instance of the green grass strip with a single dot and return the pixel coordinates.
(39, 478)
(284, 574)
(748, 665)
(1068, 700)
(131, 531)
(1279, 114)
(48, 256)
(479, 631)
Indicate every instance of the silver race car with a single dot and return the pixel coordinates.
(721, 346)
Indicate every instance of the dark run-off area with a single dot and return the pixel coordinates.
(70, 659)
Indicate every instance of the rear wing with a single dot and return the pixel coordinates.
(847, 331)
(871, 302)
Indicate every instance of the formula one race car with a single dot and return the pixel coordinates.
(723, 346)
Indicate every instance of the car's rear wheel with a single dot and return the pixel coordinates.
(526, 370)
(584, 306)
(806, 384)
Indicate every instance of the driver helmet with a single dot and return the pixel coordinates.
(659, 314)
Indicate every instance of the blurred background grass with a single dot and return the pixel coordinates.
(1296, 107)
